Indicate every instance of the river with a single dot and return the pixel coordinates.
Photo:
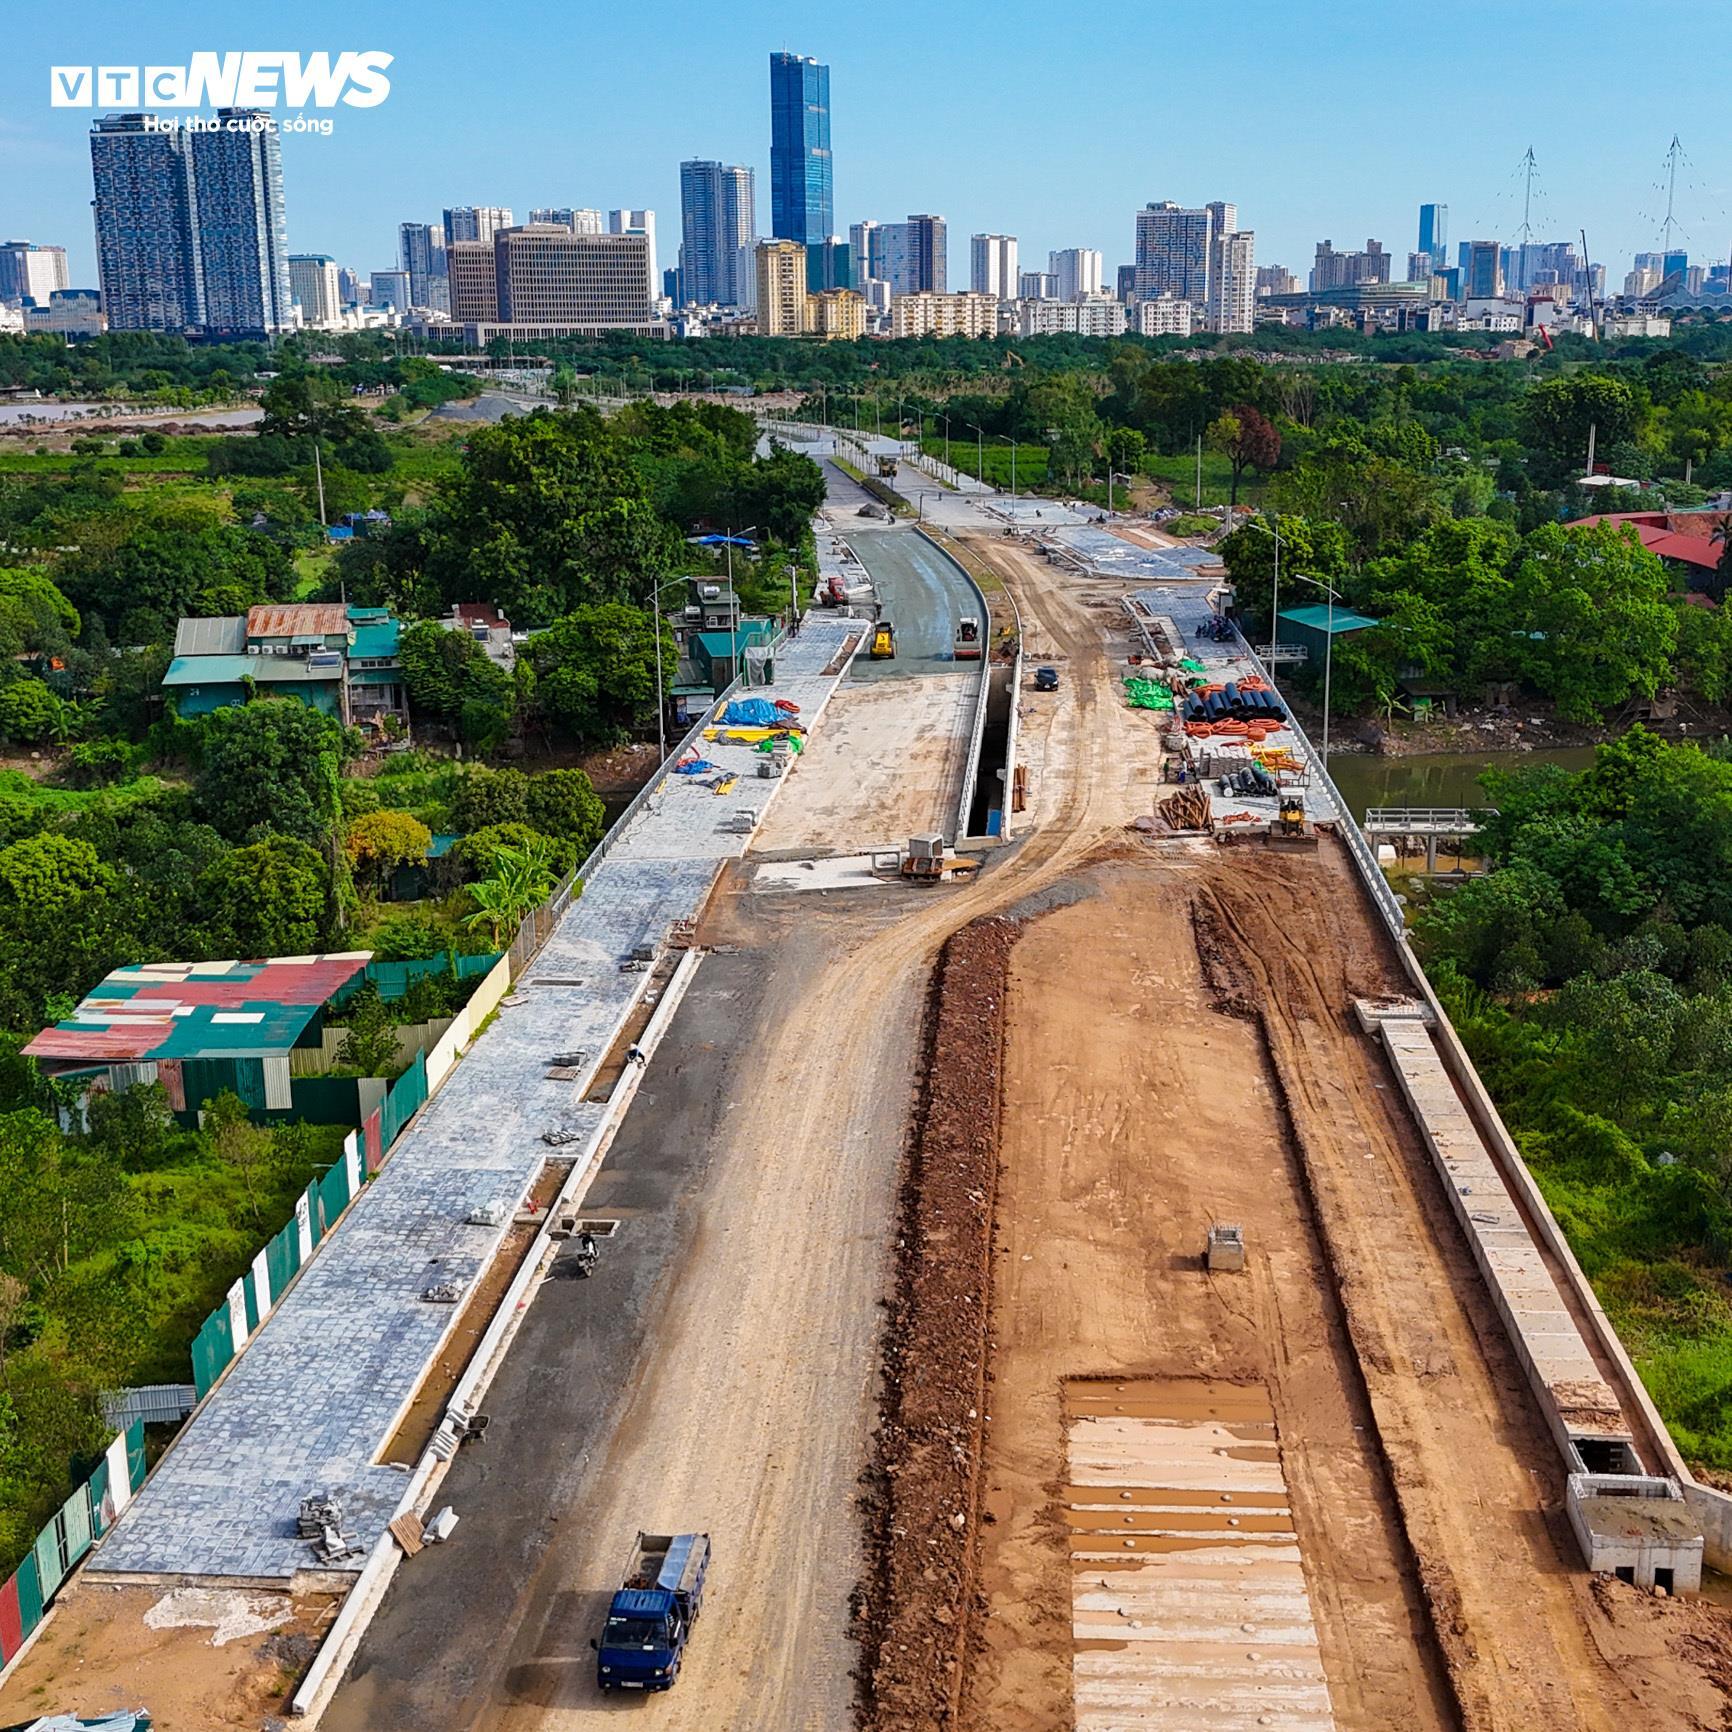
(1435, 778)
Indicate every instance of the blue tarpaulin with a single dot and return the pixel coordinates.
(753, 713)
(694, 767)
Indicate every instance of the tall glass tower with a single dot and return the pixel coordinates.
(802, 199)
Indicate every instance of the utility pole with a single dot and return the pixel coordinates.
(1199, 471)
(319, 477)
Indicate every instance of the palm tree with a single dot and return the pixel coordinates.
(521, 880)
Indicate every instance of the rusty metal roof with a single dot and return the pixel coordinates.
(299, 619)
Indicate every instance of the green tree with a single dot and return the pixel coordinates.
(302, 404)
(1247, 439)
(41, 875)
(269, 898)
(1599, 629)
(483, 797)
(1310, 547)
(29, 712)
(272, 766)
(379, 842)
(564, 803)
(595, 670)
(444, 670)
(522, 879)
(370, 1046)
(1557, 414)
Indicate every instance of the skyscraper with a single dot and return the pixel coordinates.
(1434, 232)
(801, 190)
(313, 282)
(992, 265)
(1078, 270)
(1232, 304)
(31, 273)
(476, 222)
(238, 175)
(866, 249)
(1173, 252)
(421, 254)
(916, 256)
(781, 288)
(1483, 278)
(639, 222)
(718, 222)
(147, 254)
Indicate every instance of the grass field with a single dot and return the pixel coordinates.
(15, 785)
(1179, 476)
(184, 456)
(1031, 461)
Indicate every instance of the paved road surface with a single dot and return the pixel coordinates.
(923, 594)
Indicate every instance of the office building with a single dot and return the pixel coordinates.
(801, 190)
(916, 256)
(31, 273)
(1125, 284)
(1096, 318)
(1276, 280)
(147, 252)
(838, 314)
(637, 222)
(1036, 286)
(243, 245)
(476, 222)
(780, 297)
(421, 256)
(67, 313)
(580, 222)
(1433, 235)
(1232, 302)
(1172, 255)
(718, 220)
(349, 287)
(313, 283)
(1482, 280)
(1333, 270)
(866, 248)
(992, 265)
(931, 314)
(389, 289)
(547, 281)
(1674, 263)
(1164, 316)
(829, 265)
(1078, 270)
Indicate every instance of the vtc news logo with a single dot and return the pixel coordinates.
(250, 80)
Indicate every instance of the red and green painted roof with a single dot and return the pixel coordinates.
(178, 1010)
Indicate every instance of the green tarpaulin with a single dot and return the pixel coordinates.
(1148, 695)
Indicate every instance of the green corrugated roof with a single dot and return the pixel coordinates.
(231, 670)
(722, 643)
(376, 638)
(1318, 618)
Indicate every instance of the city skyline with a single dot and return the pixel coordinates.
(410, 159)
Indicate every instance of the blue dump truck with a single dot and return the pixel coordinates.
(650, 1618)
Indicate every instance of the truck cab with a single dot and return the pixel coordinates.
(650, 1617)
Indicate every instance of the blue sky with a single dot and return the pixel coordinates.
(1319, 117)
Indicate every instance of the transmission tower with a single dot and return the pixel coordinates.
(1675, 151)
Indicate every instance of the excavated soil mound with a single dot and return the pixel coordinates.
(920, 1597)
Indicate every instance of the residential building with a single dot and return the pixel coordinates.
(1483, 279)
(147, 251)
(1618, 326)
(1173, 252)
(781, 289)
(1232, 303)
(1433, 235)
(349, 287)
(1078, 270)
(1419, 267)
(476, 222)
(1036, 286)
(200, 1028)
(1164, 316)
(485, 625)
(1333, 270)
(421, 254)
(67, 313)
(830, 265)
(718, 220)
(29, 272)
(1276, 280)
(580, 222)
(336, 659)
(313, 283)
(866, 249)
(637, 222)
(243, 244)
(390, 289)
(802, 203)
(838, 313)
(992, 265)
(1095, 318)
(1125, 287)
(916, 256)
(930, 314)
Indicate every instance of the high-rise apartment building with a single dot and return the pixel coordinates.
(718, 220)
(1232, 303)
(1165, 316)
(1276, 280)
(147, 254)
(1333, 270)
(1078, 270)
(802, 197)
(866, 248)
(916, 256)
(1173, 252)
(348, 287)
(992, 265)
(29, 272)
(1434, 234)
(927, 314)
(421, 254)
(1036, 286)
(1420, 266)
(313, 283)
(781, 288)
(389, 289)
(838, 314)
(829, 266)
(580, 222)
(1483, 278)
(190, 226)
(476, 222)
(1098, 317)
(238, 176)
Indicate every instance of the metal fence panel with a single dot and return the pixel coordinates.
(98, 1489)
(75, 1514)
(13, 1629)
(212, 1348)
(30, 1596)
(50, 1557)
(135, 1463)
(282, 1258)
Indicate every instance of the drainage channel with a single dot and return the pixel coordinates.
(986, 814)
(408, 1443)
(614, 1061)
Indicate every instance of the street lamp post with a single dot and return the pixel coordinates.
(980, 452)
(946, 420)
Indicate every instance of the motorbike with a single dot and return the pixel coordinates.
(587, 1255)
